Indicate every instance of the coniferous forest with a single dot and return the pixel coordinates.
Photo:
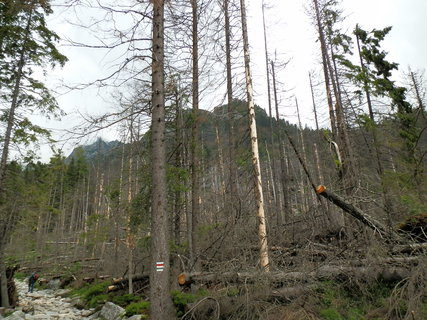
(227, 212)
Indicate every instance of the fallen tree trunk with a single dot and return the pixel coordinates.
(386, 273)
(125, 280)
(92, 279)
(378, 227)
(410, 248)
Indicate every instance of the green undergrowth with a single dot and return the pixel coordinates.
(141, 308)
(181, 299)
(21, 276)
(355, 301)
(95, 295)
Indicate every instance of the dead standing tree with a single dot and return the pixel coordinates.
(262, 229)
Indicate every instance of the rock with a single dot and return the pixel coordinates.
(111, 311)
(17, 315)
(77, 303)
(62, 292)
(94, 316)
(87, 313)
(54, 284)
(28, 309)
(135, 317)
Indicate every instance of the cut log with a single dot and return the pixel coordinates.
(378, 227)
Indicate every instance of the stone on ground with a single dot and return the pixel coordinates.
(111, 311)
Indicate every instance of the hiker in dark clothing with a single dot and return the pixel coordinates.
(31, 281)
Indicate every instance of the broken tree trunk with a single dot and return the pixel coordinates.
(382, 230)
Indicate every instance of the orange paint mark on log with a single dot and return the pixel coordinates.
(182, 279)
(320, 189)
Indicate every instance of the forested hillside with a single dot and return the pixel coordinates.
(229, 212)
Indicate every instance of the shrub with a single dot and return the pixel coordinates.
(92, 294)
(96, 300)
(124, 300)
(141, 308)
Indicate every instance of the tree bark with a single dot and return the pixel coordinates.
(161, 303)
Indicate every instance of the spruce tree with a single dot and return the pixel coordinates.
(26, 44)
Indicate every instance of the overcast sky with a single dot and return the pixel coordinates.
(290, 34)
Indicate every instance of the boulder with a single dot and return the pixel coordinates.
(135, 317)
(17, 315)
(77, 303)
(111, 311)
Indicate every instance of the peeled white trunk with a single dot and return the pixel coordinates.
(262, 229)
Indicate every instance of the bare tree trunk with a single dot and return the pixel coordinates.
(130, 239)
(161, 303)
(283, 170)
(278, 209)
(349, 171)
(178, 202)
(306, 197)
(326, 72)
(195, 144)
(314, 103)
(233, 194)
(221, 161)
(262, 229)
